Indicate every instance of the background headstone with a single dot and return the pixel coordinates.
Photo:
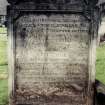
(3, 5)
(52, 52)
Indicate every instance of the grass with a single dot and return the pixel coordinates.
(3, 92)
(3, 49)
(100, 63)
(3, 68)
(3, 30)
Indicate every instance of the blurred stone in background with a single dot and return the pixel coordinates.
(3, 12)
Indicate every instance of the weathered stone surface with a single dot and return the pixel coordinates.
(46, 64)
(53, 44)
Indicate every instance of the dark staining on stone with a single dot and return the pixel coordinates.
(99, 93)
(46, 41)
(23, 35)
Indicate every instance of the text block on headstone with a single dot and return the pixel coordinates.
(52, 59)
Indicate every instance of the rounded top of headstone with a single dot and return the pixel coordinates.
(12, 1)
(15, 1)
(90, 3)
(18, 1)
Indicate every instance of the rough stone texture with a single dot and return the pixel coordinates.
(52, 47)
(52, 58)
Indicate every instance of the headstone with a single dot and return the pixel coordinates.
(3, 5)
(52, 47)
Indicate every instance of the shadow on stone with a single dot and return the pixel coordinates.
(100, 93)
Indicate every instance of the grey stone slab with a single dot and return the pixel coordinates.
(52, 51)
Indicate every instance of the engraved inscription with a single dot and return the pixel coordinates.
(52, 59)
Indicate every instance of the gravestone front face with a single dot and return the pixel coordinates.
(52, 53)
